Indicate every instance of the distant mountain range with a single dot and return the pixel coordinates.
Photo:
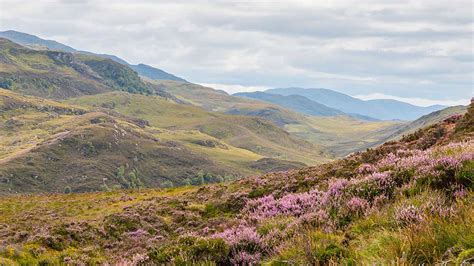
(296, 103)
(379, 109)
(299, 104)
(35, 42)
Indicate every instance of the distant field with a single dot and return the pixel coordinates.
(342, 134)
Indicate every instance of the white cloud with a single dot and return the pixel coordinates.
(404, 48)
(414, 101)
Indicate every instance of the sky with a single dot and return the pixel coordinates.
(418, 51)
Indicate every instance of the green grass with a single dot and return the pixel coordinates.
(43, 143)
(249, 133)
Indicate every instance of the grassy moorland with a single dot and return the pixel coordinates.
(405, 202)
(51, 146)
(250, 133)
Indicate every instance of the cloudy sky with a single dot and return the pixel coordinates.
(419, 51)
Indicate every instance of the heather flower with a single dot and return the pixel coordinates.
(317, 218)
(389, 160)
(137, 235)
(273, 238)
(137, 259)
(335, 191)
(379, 201)
(357, 205)
(245, 243)
(244, 258)
(366, 168)
(460, 193)
(438, 206)
(408, 215)
(372, 185)
(241, 237)
(293, 204)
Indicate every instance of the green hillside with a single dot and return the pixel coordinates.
(59, 75)
(250, 133)
(37, 43)
(51, 146)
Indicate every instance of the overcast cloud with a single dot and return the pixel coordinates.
(420, 49)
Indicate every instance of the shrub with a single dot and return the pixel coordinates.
(67, 190)
(167, 184)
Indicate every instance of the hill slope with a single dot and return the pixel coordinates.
(340, 135)
(409, 201)
(59, 75)
(380, 109)
(46, 146)
(250, 133)
(38, 43)
(428, 120)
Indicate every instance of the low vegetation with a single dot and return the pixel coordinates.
(50, 146)
(405, 202)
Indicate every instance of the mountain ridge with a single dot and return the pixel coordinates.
(296, 103)
(385, 109)
(36, 42)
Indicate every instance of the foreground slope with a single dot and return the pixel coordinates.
(409, 201)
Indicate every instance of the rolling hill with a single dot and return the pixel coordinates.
(340, 135)
(35, 42)
(47, 146)
(61, 75)
(380, 109)
(251, 133)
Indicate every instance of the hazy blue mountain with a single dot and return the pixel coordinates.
(380, 109)
(33, 41)
(296, 103)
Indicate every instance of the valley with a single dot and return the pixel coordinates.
(105, 162)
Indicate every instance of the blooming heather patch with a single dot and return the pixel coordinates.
(357, 205)
(371, 186)
(245, 243)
